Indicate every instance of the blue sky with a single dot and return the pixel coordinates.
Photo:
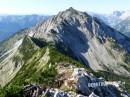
(54, 6)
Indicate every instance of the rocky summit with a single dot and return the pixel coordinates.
(69, 55)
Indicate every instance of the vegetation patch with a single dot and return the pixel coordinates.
(29, 74)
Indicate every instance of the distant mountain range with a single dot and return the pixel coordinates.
(120, 20)
(10, 24)
(124, 26)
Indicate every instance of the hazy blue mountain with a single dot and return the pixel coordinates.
(110, 19)
(10, 24)
(124, 26)
(119, 20)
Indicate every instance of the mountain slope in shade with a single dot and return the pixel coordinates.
(59, 43)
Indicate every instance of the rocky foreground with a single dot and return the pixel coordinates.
(76, 82)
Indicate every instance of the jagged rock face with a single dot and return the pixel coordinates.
(86, 37)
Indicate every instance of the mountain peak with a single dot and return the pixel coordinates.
(71, 9)
(70, 12)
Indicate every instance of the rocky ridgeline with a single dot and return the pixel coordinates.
(77, 82)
